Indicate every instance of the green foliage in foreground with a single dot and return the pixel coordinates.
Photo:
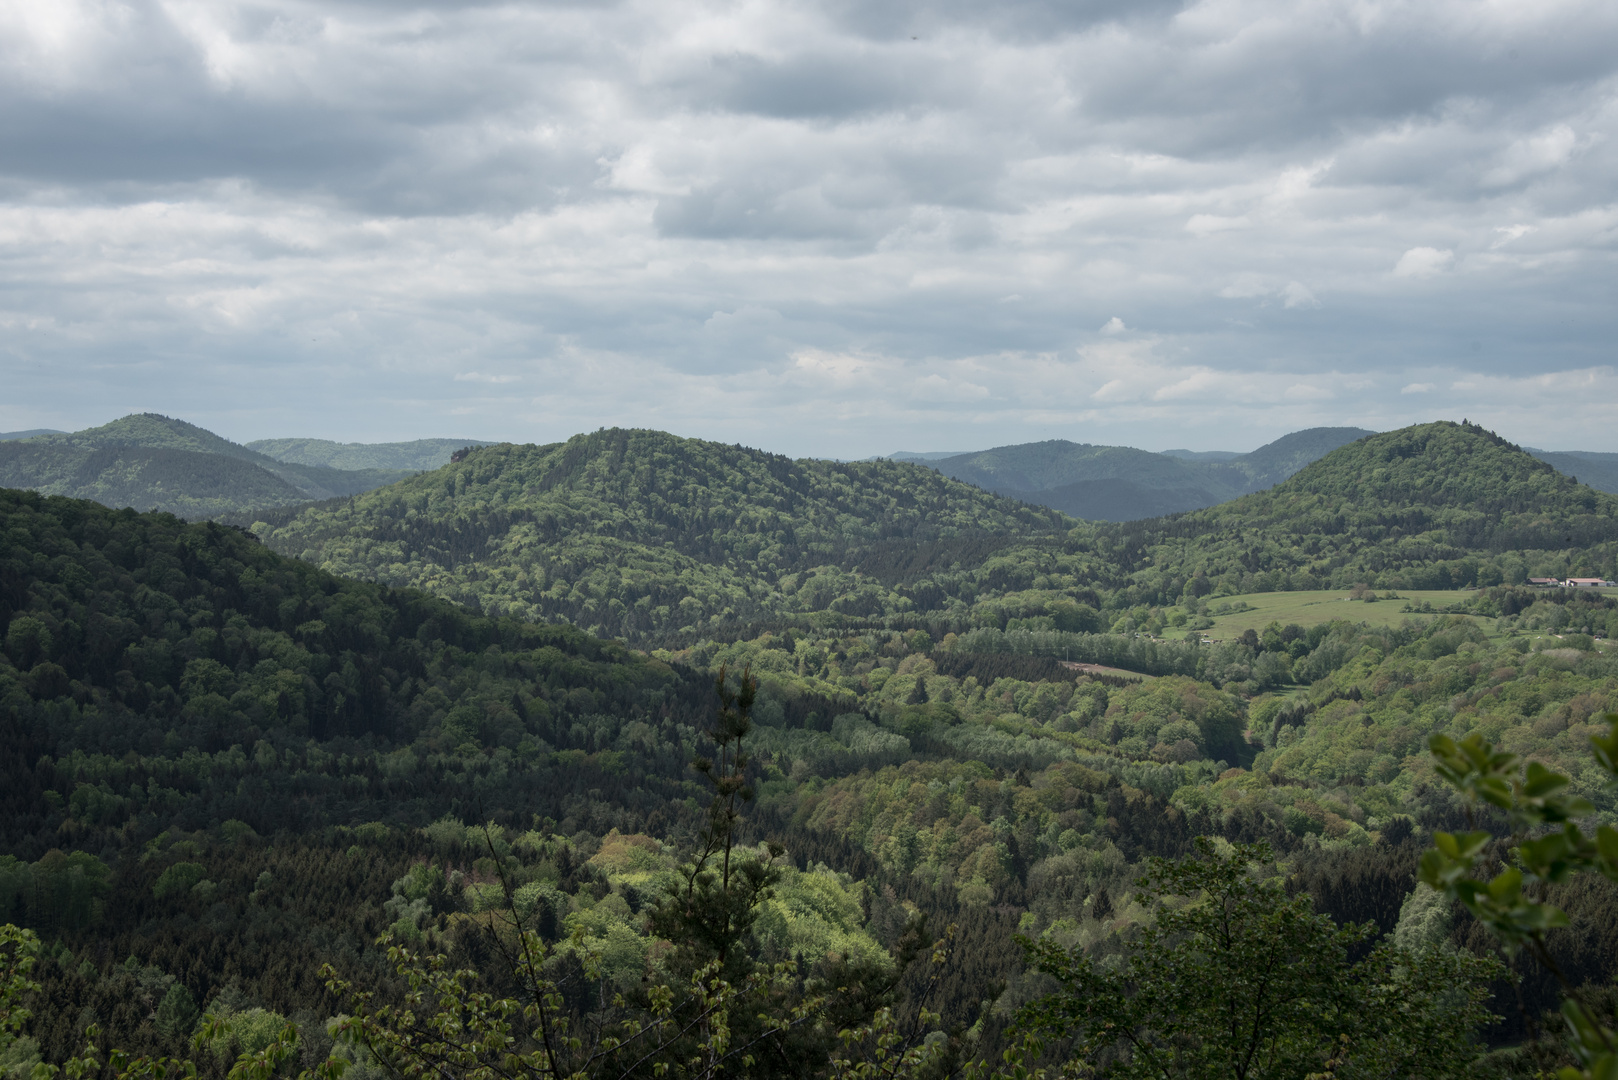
(1233, 979)
(1506, 890)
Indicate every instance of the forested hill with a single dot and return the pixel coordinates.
(157, 671)
(1433, 506)
(152, 462)
(634, 533)
(214, 758)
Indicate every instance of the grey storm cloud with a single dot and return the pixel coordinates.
(833, 227)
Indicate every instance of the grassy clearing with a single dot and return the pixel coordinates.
(1102, 669)
(1323, 605)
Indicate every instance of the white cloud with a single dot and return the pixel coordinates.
(476, 376)
(1418, 388)
(1114, 325)
(1203, 224)
(1423, 262)
(1298, 295)
(1539, 153)
(1292, 294)
(1508, 233)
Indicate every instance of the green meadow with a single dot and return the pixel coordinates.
(1323, 605)
(1307, 609)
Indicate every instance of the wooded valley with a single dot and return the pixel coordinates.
(959, 752)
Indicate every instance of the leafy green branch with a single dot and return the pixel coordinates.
(1547, 847)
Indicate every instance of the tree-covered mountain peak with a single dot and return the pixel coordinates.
(637, 532)
(1430, 506)
(692, 487)
(159, 433)
(1444, 464)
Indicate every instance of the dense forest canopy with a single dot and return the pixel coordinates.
(222, 766)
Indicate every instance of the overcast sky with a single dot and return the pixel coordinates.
(837, 228)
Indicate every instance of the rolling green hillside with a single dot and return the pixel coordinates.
(148, 461)
(1119, 483)
(1438, 505)
(639, 533)
(419, 455)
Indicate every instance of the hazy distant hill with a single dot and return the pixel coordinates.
(153, 462)
(1598, 470)
(1203, 455)
(7, 436)
(183, 482)
(1274, 462)
(1120, 483)
(417, 456)
(929, 455)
